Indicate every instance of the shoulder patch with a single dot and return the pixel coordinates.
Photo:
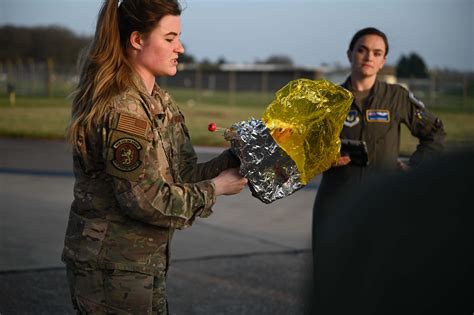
(415, 100)
(411, 96)
(134, 126)
(125, 155)
(402, 85)
(352, 118)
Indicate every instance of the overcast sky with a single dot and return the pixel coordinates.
(311, 32)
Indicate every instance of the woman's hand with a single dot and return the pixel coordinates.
(404, 167)
(229, 182)
(342, 161)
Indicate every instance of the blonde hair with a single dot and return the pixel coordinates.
(105, 70)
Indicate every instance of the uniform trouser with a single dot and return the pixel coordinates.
(116, 292)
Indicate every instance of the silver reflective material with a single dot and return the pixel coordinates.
(271, 173)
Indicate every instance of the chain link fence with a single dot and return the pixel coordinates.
(26, 78)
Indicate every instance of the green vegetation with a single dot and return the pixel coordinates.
(40, 43)
(188, 97)
(459, 131)
(34, 122)
(412, 66)
(451, 104)
(48, 117)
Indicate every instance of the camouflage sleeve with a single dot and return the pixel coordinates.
(164, 204)
(423, 125)
(143, 185)
(192, 172)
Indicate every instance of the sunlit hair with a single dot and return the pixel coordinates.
(105, 70)
(368, 31)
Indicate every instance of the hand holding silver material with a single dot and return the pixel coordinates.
(271, 173)
(297, 138)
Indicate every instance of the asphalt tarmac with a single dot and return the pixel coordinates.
(247, 258)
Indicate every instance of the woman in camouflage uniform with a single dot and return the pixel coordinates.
(137, 177)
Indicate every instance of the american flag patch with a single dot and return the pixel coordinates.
(378, 115)
(132, 125)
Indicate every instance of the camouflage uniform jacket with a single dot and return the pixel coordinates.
(137, 179)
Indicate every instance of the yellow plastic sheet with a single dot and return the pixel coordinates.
(305, 119)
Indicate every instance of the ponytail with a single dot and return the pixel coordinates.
(106, 71)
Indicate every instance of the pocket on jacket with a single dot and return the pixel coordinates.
(84, 237)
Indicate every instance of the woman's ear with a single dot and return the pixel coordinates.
(136, 40)
(349, 53)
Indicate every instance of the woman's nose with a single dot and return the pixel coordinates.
(180, 48)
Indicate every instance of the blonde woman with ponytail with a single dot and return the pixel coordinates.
(137, 177)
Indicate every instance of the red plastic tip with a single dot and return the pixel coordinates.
(212, 127)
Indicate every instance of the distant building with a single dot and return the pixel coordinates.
(339, 75)
(238, 77)
(256, 77)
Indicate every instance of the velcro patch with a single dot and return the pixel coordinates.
(419, 103)
(378, 115)
(352, 118)
(126, 154)
(133, 126)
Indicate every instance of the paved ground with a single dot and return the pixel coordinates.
(247, 258)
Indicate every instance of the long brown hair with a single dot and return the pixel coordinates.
(105, 70)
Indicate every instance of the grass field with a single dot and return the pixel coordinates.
(48, 117)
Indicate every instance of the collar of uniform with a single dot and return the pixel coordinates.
(153, 102)
(348, 85)
(137, 80)
(154, 91)
(376, 88)
(373, 99)
(161, 97)
(373, 91)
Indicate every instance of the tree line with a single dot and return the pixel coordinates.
(41, 43)
(64, 46)
(412, 66)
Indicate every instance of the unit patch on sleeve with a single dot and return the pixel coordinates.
(378, 115)
(415, 100)
(126, 154)
(352, 118)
